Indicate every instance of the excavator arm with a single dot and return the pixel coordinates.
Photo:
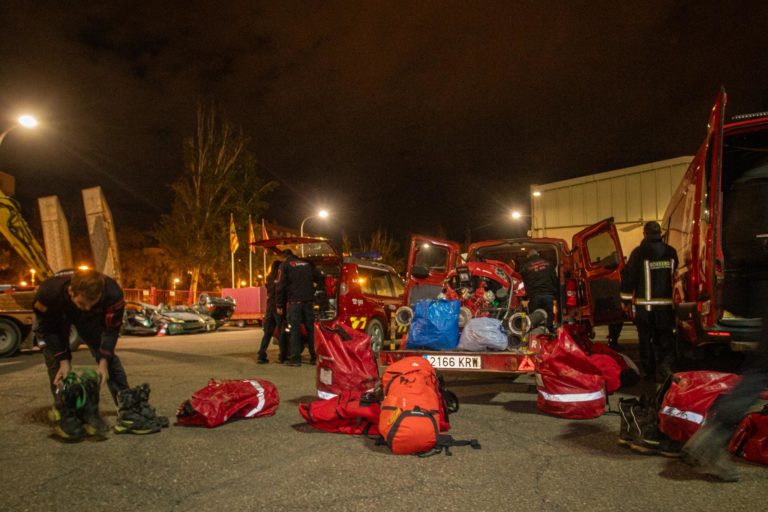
(15, 229)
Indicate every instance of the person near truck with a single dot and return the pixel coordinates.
(647, 282)
(541, 285)
(295, 294)
(93, 303)
(273, 320)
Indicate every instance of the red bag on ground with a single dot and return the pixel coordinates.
(412, 413)
(687, 402)
(751, 438)
(569, 384)
(629, 373)
(221, 401)
(345, 361)
(349, 413)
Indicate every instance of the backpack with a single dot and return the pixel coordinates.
(568, 382)
(750, 441)
(414, 412)
(345, 360)
(351, 412)
(221, 401)
(686, 405)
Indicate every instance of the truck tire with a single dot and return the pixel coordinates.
(10, 337)
(376, 332)
(74, 339)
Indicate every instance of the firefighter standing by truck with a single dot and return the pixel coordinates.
(541, 285)
(295, 293)
(646, 282)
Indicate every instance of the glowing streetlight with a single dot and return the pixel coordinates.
(25, 121)
(32, 272)
(536, 193)
(176, 281)
(83, 267)
(323, 214)
(242, 283)
(517, 215)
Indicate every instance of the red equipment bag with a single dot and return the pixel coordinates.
(569, 384)
(345, 360)
(221, 401)
(751, 438)
(351, 412)
(412, 413)
(628, 372)
(686, 404)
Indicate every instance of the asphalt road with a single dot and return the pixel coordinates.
(528, 461)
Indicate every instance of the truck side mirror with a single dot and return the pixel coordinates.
(419, 272)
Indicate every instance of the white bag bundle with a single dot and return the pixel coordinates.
(482, 334)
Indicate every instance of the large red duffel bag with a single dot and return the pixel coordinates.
(687, 402)
(751, 438)
(569, 385)
(223, 400)
(351, 412)
(345, 361)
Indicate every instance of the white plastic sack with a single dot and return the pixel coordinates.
(482, 334)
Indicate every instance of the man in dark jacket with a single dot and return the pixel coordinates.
(541, 285)
(92, 303)
(272, 320)
(647, 281)
(295, 294)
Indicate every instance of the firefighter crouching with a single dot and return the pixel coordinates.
(647, 282)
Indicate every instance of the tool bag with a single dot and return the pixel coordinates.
(435, 325)
(413, 412)
(750, 441)
(345, 361)
(686, 404)
(223, 400)
(568, 383)
(351, 412)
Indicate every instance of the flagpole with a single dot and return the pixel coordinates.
(264, 252)
(250, 251)
(233, 269)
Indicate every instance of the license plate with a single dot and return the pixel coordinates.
(455, 362)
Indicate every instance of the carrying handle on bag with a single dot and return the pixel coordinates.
(344, 335)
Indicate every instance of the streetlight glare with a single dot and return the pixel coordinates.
(27, 121)
(516, 215)
(323, 214)
(536, 193)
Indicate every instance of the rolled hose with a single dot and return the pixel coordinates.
(521, 323)
(404, 315)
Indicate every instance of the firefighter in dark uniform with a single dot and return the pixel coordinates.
(92, 303)
(541, 285)
(646, 282)
(273, 320)
(295, 294)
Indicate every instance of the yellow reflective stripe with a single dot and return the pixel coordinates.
(647, 276)
(626, 296)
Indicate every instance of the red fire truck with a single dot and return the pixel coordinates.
(589, 274)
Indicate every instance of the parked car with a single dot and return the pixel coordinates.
(143, 319)
(361, 293)
(219, 308)
(717, 220)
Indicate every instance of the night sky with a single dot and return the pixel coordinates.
(412, 116)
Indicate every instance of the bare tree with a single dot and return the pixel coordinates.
(382, 242)
(219, 177)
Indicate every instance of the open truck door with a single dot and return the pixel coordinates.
(598, 261)
(429, 262)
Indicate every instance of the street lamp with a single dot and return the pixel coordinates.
(176, 281)
(323, 214)
(25, 121)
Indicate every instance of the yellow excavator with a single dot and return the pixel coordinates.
(16, 315)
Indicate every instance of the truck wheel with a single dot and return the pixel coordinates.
(74, 339)
(376, 332)
(10, 337)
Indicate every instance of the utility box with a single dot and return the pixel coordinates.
(632, 196)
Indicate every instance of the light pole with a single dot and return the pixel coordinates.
(25, 121)
(323, 214)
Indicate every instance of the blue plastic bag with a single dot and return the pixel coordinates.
(435, 325)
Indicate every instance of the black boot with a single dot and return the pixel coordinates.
(135, 415)
(94, 424)
(69, 396)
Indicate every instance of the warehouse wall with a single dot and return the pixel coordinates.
(632, 196)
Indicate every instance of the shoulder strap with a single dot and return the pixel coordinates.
(446, 442)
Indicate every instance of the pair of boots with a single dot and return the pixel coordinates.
(76, 412)
(639, 429)
(135, 415)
